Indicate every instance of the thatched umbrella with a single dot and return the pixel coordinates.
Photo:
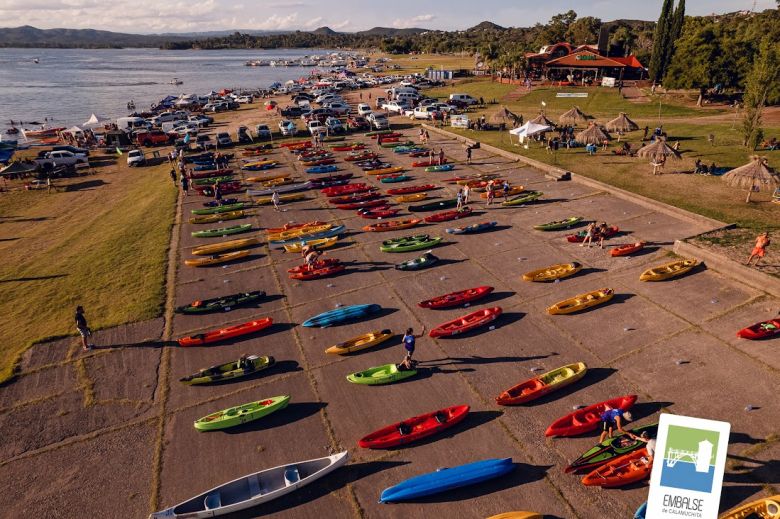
(592, 135)
(754, 176)
(503, 115)
(658, 150)
(622, 123)
(573, 116)
(542, 119)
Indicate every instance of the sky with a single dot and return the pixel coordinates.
(156, 16)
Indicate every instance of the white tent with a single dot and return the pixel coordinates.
(75, 131)
(527, 130)
(95, 120)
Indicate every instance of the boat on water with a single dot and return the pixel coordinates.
(175, 81)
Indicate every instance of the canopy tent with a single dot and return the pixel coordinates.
(573, 116)
(657, 150)
(542, 119)
(754, 176)
(504, 115)
(529, 129)
(96, 120)
(622, 123)
(592, 135)
(74, 130)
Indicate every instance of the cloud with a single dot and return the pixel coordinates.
(403, 23)
(313, 23)
(340, 25)
(278, 23)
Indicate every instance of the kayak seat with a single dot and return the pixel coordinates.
(441, 417)
(404, 429)
(212, 501)
(291, 476)
(254, 486)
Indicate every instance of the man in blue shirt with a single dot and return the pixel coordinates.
(611, 420)
(408, 340)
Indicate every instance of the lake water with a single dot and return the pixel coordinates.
(67, 85)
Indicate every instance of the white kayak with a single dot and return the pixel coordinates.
(254, 489)
(286, 188)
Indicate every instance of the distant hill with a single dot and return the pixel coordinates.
(324, 30)
(27, 36)
(390, 31)
(486, 26)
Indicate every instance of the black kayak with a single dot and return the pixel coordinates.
(433, 206)
(424, 261)
(222, 304)
(610, 449)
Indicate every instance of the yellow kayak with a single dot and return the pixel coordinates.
(484, 176)
(266, 200)
(216, 248)
(516, 190)
(385, 171)
(278, 182)
(266, 178)
(581, 302)
(361, 342)
(294, 233)
(670, 270)
(416, 197)
(764, 508)
(259, 163)
(216, 259)
(319, 243)
(516, 515)
(553, 272)
(211, 218)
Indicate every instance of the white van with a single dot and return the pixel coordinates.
(464, 99)
(395, 91)
(408, 98)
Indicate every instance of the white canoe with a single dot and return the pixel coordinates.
(287, 188)
(254, 489)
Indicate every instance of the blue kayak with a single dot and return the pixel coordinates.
(261, 167)
(322, 169)
(333, 231)
(640, 512)
(340, 315)
(397, 178)
(477, 227)
(205, 166)
(447, 479)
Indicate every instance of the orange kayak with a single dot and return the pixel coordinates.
(392, 225)
(621, 471)
(293, 225)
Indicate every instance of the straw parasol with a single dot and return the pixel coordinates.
(658, 150)
(573, 116)
(622, 123)
(542, 119)
(503, 115)
(592, 135)
(754, 176)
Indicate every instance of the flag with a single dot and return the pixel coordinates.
(187, 139)
(118, 151)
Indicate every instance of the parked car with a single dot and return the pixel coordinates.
(201, 120)
(424, 112)
(287, 128)
(338, 107)
(463, 99)
(380, 101)
(320, 114)
(242, 135)
(291, 111)
(314, 126)
(244, 100)
(262, 131)
(334, 126)
(151, 138)
(135, 158)
(224, 140)
(65, 147)
(397, 107)
(58, 158)
(364, 109)
(378, 121)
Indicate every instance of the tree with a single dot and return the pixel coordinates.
(762, 84)
(675, 29)
(698, 60)
(661, 42)
(583, 30)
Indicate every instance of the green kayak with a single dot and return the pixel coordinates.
(411, 245)
(386, 374)
(229, 371)
(433, 206)
(404, 239)
(524, 198)
(221, 304)
(223, 231)
(396, 144)
(611, 448)
(222, 208)
(377, 132)
(213, 180)
(424, 261)
(560, 224)
(240, 414)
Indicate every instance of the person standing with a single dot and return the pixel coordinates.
(173, 176)
(185, 184)
(83, 328)
(459, 201)
(275, 200)
(590, 230)
(441, 156)
(468, 155)
(409, 340)
(466, 192)
(505, 188)
(491, 192)
(217, 192)
(759, 250)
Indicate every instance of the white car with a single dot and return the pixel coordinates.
(364, 109)
(244, 99)
(395, 107)
(316, 127)
(135, 158)
(378, 121)
(337, 107)
(287, 128)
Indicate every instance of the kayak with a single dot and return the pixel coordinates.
(415, 428)
(380, 375)
(621, 471)
(301, 186)
(466, 323)
(473, 228)
(333, 231)
(668, 271)
(357, 197)
(480, 184)
(216, 259)
(423, 262)
(408, 190)
(229, 371)
(514, 190)
(462, 181)
(317, 264)
(371, 165)
(299, 231)
(211, 218)
(348, 147)
(412, 244)
(223, 231)
(318, 244)
(458, 298)
(580, 236)
(642, 510)
(295, 144)
(394, 144)
(267, 200)
(266, 178)
(330, 178)
(523, 198)
(364, 204)
(588, 418)
(241, 414)
(322, 169)
(317, 272)
(293, 225)
(319, 162)
(213, 180)
(553, 272)
(542, 385)
(222, 304)
(361, 342)
(341, 315)
(385, 171)
(226, 189)
(346, 189)
(517, 515)
(224, 334)
(432, 206)
(378, 213)
(397, 178)
(445, 479)
(625, 250)
(424, 163)
(392, 225)
(216, 248)
(581, 302)
(558, 224)
(763, 508)
(440, 168)
(420, 152)
(446, 216)
(224, 201)
(213, 173)
(414, 197)
(762, 330)
(610, 449)
(222, 208)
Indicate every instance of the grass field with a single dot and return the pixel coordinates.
(100, 244)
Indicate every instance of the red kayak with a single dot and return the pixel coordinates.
(361, 205)
(327, 262)
(346, 189)
(762, 330)
(378, 213)
(588, 418)
(466, 323)
(415, 428)
(212, 173)
(224, 189)
(448, 215)
(317, 273)
(625, 250)
(295, 144)
(224, 334)
(331, 178)
(408, 190)
(580, 236)
(425, 163)
(622, 471)
(456, 298)
(358, 197)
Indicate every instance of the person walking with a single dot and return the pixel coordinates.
(759, 250)
(185, 184)
(275, 200)
(459, 201)
(173, 176)
(505, 188)
(49, 184)
(466, 192)
(83, 328)
(441, 156)
(468, 155)
(590, 230)
(491, 192)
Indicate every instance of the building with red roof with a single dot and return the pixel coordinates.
(581, 64)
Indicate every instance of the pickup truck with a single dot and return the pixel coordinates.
(54, 159)
(153, 138)
(423, 112)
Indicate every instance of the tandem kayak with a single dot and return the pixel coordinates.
(222, 304)
(669, 270)
(763, 508)
(217, 259)
(224, 334)
(543, 384)
(439, 169)
(361, 342)
(458, 298)
(611, 448)
(413, 429)
(410, 243)
(445, 479)
(446, 216)
(226, 208)
(581, 302)
(241, 414)
(553, 272)
(621, 471)
(392, 225)
(473, 228)
(423, 262)
(558, 224)
(433, 206)
(466, 323)
(408, 190)
(386, 374)
(341, 315)
(524, 198)
(322, 169)
(762, 330)
(625, 250)
(225, 246)
(229, 371)
(588, 418)
(223, 231)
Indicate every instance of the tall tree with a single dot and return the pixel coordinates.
(661, 41)
(762, 85)
(675, 30)
(584, 30)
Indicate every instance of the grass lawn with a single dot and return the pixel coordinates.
(100, 244)
(420, 62)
